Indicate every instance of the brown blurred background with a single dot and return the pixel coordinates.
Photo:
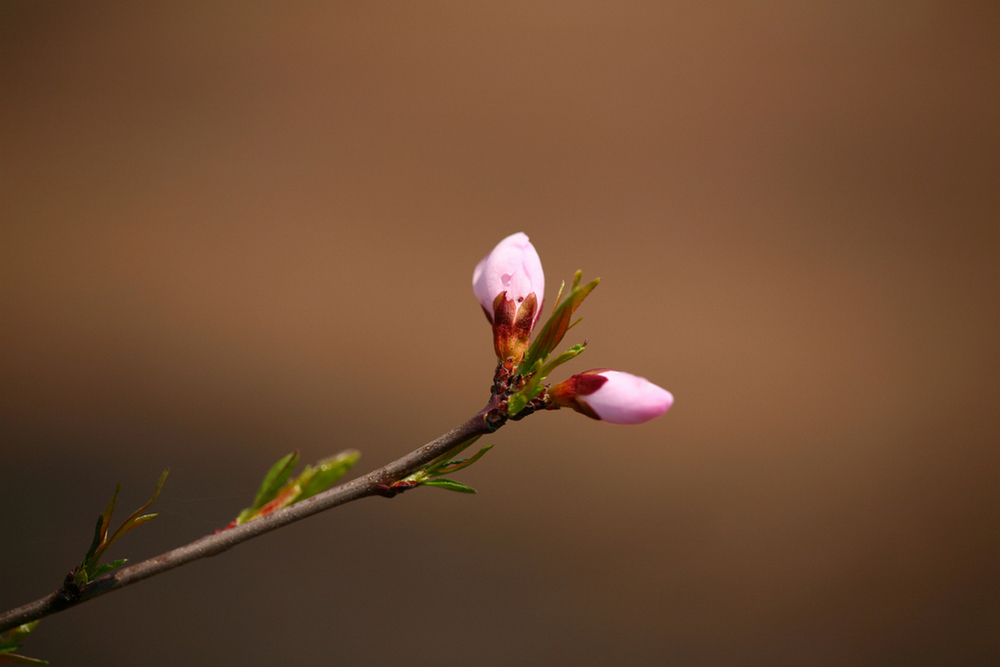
(234, 229)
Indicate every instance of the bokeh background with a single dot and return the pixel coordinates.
(229, 230)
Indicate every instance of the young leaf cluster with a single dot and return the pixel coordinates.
(433, 473)
(278, 490)
(91, 567)
(534, 367)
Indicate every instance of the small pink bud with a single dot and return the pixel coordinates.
(612, 396)
(512, 267)
(509, 284)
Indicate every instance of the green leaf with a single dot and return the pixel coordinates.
(562, 288)
(11, 641)
(326, 473)
(107, 567)
(454, 466)
(106, 516)
(134, 519)
(443, 460)
(13, 637)
(275, 479)
(145, 518)
(91, 568)
(533, 387)
(101, 532)
(98, 538)
(519, 400)
(450, 485)
(557, 325)
(563, 358)
(278, 490)
(289, 495)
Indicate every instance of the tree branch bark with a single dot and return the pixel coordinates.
(486, 421)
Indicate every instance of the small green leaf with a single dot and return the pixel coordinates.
(521, 399)
(557, 325)
(275, 479)
(107, 567)
(91, 568)
(98, 538)
(450, 485)
(145, 518)
(11, 641)
(445, 458)
(106, 516)
(533, 387)
(134, 518)
(327, 472)
(562, 288)
(454, 466)
(289, 495)
(516, 403)
(13, 637)
(562, 358)
(101, 532)
(278, 490)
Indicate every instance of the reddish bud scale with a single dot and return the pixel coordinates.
(512, 323)
(394, 489)
(566, 393)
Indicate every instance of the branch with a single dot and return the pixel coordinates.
(486, 421)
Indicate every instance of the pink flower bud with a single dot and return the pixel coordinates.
(512, 267)
(612, 396)
(509, 284)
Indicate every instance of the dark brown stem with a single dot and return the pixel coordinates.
(486, 421)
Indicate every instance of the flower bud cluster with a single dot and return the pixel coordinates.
(509, 284)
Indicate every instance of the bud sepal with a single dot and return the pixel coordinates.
(512, 325)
